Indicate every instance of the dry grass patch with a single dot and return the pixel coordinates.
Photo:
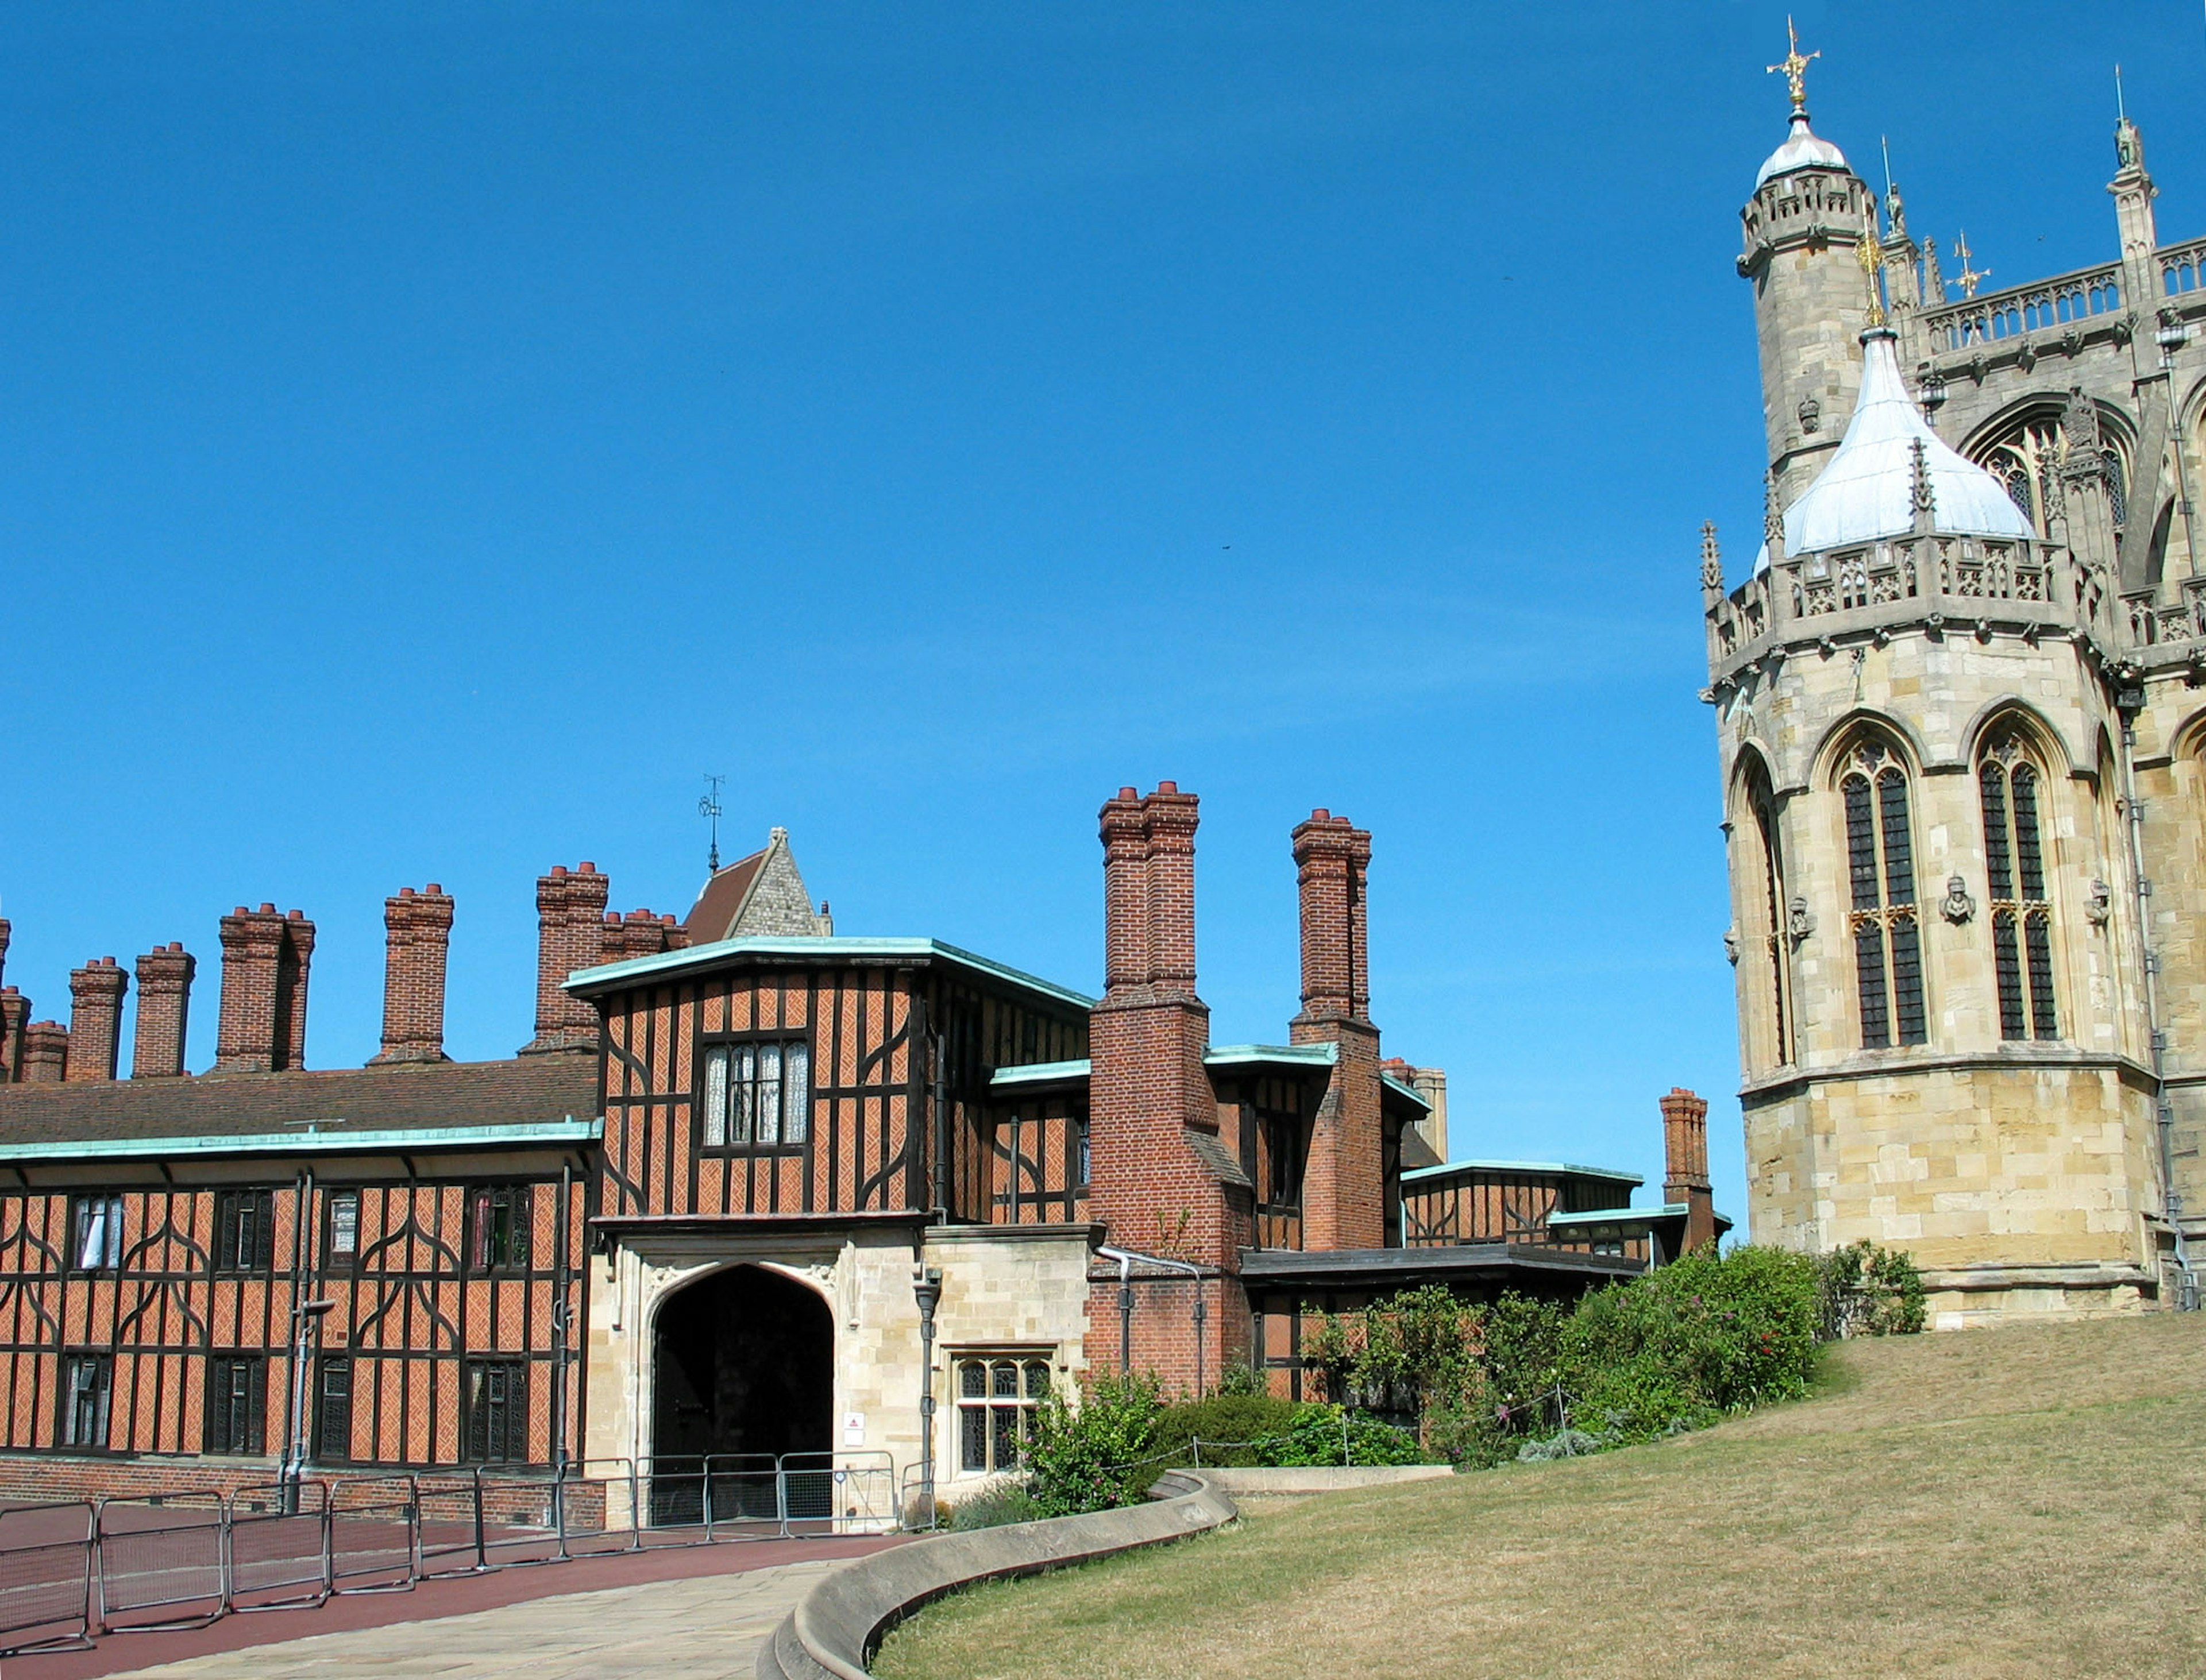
(2016, 1502)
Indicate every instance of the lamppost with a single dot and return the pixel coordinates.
(2172, 336)
(926, 1288)
(304, 1315)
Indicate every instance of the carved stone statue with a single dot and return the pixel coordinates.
(2079, 427)
(1957, 907)
(2100, 909)
(1800, 922)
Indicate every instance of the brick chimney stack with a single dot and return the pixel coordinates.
(46, 1053)
(14, 1010)
(1126, 895)
(164, 1002)
(6, 933)
(266, 957)
(569, 935)
(1344, 1182)
(1685, 1158)
(95, 1019)
(419, 927)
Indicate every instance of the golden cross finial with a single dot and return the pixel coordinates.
(1870, 254)
(1794, 67)
(1968, 275)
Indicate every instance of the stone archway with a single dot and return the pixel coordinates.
(743, 1363)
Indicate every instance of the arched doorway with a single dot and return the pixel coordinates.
(743, 1365)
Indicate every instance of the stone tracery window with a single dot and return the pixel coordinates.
(1885, 918)
(2027, 461)
(2021, 910)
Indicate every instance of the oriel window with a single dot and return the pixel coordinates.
(1885, 918)
(2021, 910)
(757, 1094)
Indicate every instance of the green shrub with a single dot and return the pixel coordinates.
(1094, 1456)
(1241, 1379)
(1865, 1291)
(1316, 1436)
(1223, 1417)
(1701, 1336)
(992, 1506)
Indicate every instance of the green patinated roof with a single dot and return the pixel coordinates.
(1524, 1166)
(336, 1139)
(828, 951)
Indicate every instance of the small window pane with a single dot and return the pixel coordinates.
(972, 1378)
(716, 1097)
(973, 1438)
(344, 1224)
(1037, 1379)
(768, 1124)
(797, 1083)
(1006, 1376)
(1006, 1442)
(742, 1074)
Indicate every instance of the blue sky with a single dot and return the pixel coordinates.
(431, 438)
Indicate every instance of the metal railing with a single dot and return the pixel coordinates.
(72, 1569)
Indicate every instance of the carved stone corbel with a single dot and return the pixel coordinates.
(1799, 921)
(2101, 908)
(1731, 946)
(1957, 907)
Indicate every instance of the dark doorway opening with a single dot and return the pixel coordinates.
(743, 1373)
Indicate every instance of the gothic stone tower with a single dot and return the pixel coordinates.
(1963, 740)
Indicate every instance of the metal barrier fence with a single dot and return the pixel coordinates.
(75, 1568)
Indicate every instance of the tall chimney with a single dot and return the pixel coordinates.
(251, 950)
(46, 1053)
(14, 1010)
(1171, 824)
(164, 1003)
(95, 1019)
(569, 935)
(292, 964)
(1344, 1189)
(1125, 894)
(6, 933)
(1685, 1162)
(419, 927)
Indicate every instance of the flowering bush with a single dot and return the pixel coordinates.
(1866, 1290)
(1097, 1455)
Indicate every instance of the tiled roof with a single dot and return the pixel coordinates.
(714, 913)
(422, 1096)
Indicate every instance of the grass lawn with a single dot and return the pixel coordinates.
(2029, 1501)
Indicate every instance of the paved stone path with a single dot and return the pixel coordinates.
(708, 1628)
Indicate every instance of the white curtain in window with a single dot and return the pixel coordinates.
(796, 1094)
(716, 1097)
(769, 1094)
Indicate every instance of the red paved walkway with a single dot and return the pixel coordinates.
(453, 1596)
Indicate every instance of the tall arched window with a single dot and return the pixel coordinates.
(1767, 949)
(2021, 912)
(1886, 927)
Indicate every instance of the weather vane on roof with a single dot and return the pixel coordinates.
(1794, 66)
(709, 807)
(1969, 274)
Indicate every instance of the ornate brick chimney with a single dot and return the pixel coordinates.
(14, 1010)
(266, 956)
(1344, 1183)
(164, 1002)
(569, 935)
(1685, 1154)
(46, 1053)
(418, 929)
(95, 1019)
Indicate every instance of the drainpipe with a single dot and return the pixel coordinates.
(2129, 701)
(1126, 1257)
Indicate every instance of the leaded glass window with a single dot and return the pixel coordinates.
(1776, 970)
(997, 1399)
(1885, 918)
(757, 1094)
(2021, 909)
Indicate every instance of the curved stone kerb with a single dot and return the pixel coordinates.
(834, 1628)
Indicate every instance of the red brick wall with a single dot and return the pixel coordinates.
(165, 999)
(46, 1053)
(418, 932)
(96, 1018)
(1344, 1186)
(569, 935)
(15, 1011)
(265, 960)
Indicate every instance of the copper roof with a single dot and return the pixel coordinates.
(419, 1096)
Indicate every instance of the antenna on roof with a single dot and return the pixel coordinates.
(709, 808)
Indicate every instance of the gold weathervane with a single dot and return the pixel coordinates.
(1794, 67)
(1870, 253)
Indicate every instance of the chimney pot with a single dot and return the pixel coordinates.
(1130, 793)
(586, 868)
(433, 889)
(268, 909)
(1167, 787)
(559, 872)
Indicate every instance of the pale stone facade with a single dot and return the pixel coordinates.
(1020, 1290)
(2033, 1136)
